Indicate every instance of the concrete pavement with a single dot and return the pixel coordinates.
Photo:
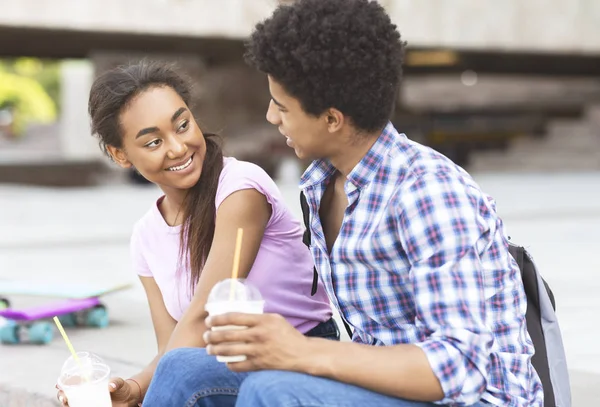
(81, 235)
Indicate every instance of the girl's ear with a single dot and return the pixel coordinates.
(119, 156)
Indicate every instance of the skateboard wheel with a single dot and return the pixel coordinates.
(41, 333)
(98, 317)
(4, 303)
(68, 319)
(9, 333)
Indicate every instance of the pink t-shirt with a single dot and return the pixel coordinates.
(282, 271)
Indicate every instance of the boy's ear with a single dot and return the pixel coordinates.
(335, 120)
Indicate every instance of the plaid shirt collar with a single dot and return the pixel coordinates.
(362, 174)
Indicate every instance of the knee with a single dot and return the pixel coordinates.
(258, 381)
(180, 369)
(188, 373)
(176, 377)
(266, 388)
(171, 363)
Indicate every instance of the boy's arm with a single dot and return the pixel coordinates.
(271, 343)
(439, 229)
(443, 225)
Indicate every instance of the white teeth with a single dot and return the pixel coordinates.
(181, 167)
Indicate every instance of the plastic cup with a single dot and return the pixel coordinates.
(244, 298)
(85, 383)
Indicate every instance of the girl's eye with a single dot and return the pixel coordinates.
(153, 143)
(184, 126)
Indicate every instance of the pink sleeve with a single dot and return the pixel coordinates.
(243, 175)
(136, 250)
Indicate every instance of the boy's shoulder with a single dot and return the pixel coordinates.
(413, 161)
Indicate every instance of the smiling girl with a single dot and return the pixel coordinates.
(185, 243)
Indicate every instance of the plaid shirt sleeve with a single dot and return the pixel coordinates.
(443, 228)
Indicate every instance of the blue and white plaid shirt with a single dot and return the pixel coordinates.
(422, 258)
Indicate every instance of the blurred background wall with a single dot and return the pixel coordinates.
(496, 86)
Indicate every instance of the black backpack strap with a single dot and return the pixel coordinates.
(348, 329)
(306, 238)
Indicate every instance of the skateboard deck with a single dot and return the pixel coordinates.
(49, 310)
(82, 307)
(60, 290)
(31, 324)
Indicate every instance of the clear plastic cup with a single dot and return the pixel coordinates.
(242, 297)
(85, 383)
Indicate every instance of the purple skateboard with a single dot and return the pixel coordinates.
(31, 325)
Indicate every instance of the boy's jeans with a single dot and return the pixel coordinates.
(188, 377)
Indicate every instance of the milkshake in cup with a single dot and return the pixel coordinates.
(233, 295)
(85, 383)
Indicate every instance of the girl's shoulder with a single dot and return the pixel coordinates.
(238, 175)
(234, 169)
(152, 223)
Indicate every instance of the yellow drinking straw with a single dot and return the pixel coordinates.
(66, 338)
(69, 345)
(236, 260)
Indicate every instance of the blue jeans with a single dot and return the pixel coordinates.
(188, 377)
(271, 388)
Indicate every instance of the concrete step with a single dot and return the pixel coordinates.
(568, 145)
(524, 161)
